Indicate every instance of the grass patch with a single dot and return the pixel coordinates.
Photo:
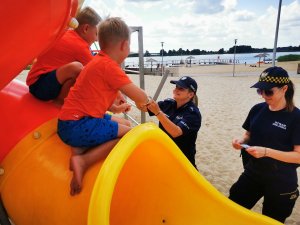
(286, 58)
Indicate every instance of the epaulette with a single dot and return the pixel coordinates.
(170, 100)
(191, 109)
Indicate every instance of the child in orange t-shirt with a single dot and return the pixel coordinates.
(83, 123)
(55, 71)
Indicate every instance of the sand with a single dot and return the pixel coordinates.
(224, 102)
(238, 69)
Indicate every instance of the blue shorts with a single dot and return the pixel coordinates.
(46, 87)
(88, 131)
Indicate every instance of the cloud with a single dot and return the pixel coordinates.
(143, 1)
(180, 24)
(208, 6)
(244, 16)
(292, 16)
(289, 25)
(229, 5)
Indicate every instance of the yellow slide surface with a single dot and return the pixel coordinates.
(145, 180)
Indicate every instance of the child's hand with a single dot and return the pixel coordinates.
(120, 99)
(124, 108)
(141, 107)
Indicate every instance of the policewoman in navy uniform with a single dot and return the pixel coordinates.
(273, 139)
(179, 117)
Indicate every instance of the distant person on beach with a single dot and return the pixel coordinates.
(273, 148)
(55, 71)
(179, 117)
(83, 122)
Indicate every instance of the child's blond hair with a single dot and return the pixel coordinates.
(88, 16)
(111, 31)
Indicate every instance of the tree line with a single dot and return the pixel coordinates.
(238, 49)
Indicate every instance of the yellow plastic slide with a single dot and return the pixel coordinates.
(145, 180)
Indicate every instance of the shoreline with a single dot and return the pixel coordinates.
(223, 69)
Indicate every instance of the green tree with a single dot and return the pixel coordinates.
(196, 52)
(147, 53)
(221, 51)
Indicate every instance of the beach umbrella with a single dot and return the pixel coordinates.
(189, 59)
(151, 60)
(261, 55)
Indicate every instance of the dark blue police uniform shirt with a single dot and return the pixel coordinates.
(278, 130)
(188, 118)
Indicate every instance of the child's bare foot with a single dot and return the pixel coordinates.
(75, 186)
(78, 166)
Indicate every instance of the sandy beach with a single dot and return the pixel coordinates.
(238, 69)
(224, 102)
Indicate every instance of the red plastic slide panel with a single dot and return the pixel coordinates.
(20, 113)
(29, 28)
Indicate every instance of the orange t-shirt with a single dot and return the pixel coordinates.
(95, 89)
(69, 48)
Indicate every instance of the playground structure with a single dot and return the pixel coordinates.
(144, 180)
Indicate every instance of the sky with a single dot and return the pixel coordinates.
(205, 24)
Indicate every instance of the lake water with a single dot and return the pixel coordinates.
(249, 58)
